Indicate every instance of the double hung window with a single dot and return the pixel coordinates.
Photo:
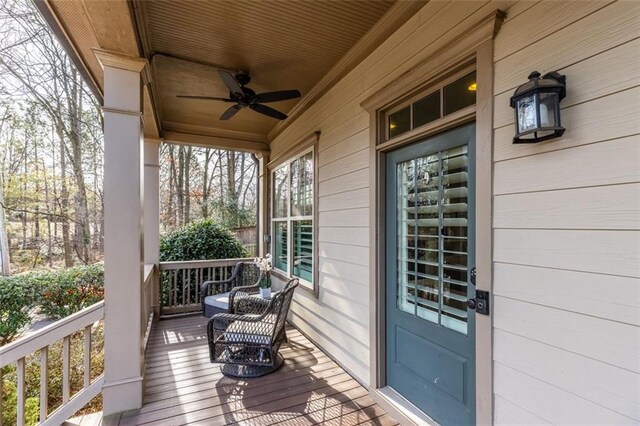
(292, 218)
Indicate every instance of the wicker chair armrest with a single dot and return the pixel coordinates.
(220, 322)
(240, 292)
(250, 305)
(205, 286)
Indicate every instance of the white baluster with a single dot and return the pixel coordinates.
(66, 349)
(44, 383)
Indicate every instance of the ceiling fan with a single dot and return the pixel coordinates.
(244, 97)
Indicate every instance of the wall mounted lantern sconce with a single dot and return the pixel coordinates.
(537, 107)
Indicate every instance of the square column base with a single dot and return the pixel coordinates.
(122, 396)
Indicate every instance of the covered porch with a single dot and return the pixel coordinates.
(157, 368)
(183, 387)
(374, 77)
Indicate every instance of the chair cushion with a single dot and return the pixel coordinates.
(247, 332)
(220, 300)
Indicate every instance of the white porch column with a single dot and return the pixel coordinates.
(152, 213)
(123, 240)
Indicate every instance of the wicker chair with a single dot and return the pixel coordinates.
(247, 343)
(220, 296)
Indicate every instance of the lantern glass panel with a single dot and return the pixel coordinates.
(527, 114)
(548, 102)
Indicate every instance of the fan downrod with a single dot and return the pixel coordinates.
(243, 78)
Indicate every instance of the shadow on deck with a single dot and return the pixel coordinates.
(183, 387)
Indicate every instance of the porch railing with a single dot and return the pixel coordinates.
(40, 342)
(180, 283)
(147, 303)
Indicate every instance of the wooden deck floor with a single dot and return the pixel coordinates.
(183, 387)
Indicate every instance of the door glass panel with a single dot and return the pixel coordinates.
(432, 208)
(406, 231)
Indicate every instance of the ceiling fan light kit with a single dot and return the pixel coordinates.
(244, 97)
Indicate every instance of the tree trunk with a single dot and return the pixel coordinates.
(180, 186)
(187, 184)
(82, 234)
(5, 264)
(64, 206)
(172, 188)
(23, 215)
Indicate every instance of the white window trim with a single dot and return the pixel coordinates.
(311, 286)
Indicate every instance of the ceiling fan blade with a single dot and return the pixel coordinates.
(229, 80)
(263, 109)
(206, 98)
(280, 95)
(230, 112)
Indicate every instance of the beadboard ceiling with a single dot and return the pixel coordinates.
(284, 44)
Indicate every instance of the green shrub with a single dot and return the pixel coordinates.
(57, 294)
(63, 292)
(16, 300)
(202, 240)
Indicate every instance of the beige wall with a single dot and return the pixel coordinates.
(566, 221)
(566, 211)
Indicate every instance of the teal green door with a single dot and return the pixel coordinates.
(430, 332)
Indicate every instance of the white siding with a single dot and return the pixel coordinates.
(567, 222)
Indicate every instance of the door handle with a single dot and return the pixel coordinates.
(480, 303)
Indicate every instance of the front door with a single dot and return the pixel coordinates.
(430, 357)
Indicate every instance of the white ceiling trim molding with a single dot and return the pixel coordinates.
(214, 142)
(193, 129)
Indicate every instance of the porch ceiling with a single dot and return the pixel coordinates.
(283, 44)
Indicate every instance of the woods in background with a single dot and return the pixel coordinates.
(51, 159)
(51, 139)
(202, 183)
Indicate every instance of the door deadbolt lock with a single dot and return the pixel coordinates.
(480, 303)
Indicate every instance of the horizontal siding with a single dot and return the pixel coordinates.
(603, 296)
(552, 404)
(607, 341)
(348, 236)
(604, 163)
(606, 252)
(605, 384)
(355, 218)
(599, 207)
(524, 30)
(509, 414)
(567, 221)
(350, 181)
(603, 30)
